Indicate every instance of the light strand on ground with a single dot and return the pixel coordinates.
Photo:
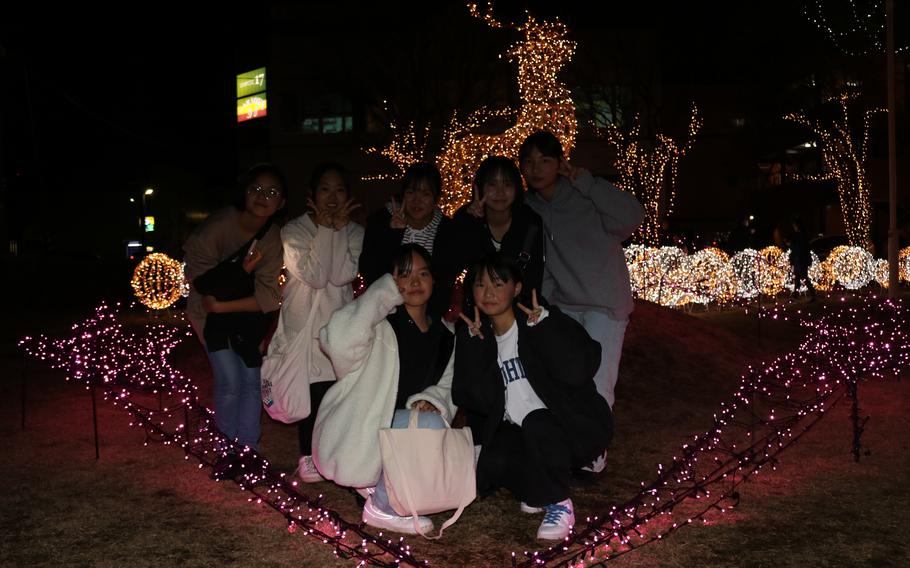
(777, 403)
(128, 366)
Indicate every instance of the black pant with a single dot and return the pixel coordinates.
(305, 426)
(533, 460)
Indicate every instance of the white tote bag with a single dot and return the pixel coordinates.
(428, 471)
(285, 373)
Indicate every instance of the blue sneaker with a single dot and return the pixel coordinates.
(558, 521)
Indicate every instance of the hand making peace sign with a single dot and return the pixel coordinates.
(398, 220)
(476, 207)
(535, 312)
(473, 326)
(320, 216)
(343, 215)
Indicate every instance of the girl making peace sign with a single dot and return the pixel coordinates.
(524, 374)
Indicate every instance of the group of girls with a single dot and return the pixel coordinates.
(521, 370)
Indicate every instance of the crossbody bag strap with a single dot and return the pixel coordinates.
(239, 253)
(524, 255)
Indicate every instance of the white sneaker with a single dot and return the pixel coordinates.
(525, 508)
(376, 518)
(365, 492)
(306, 470)
(558, 521)
(597, 465)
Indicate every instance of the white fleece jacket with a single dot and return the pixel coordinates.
(363, 350)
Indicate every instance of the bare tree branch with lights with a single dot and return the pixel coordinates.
(546, 104)
(844, 153)
(649, 170)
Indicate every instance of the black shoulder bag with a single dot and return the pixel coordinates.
(242, 332)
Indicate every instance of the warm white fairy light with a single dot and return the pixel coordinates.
(904, 264)
(546, 104)
(711, 276)
(822, 276)
(158, 281)
(859, 32)
(853, 267)
(745, 266)
(405, 148)
(669, 277)
(649, 169)
(844, 155)
(636, 257)
(882, 274)
(773, 270)
(661, 275)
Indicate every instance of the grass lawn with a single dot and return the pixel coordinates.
(148, 506)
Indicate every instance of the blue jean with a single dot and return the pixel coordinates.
(238, 400)
(610, 334)
(400, 420)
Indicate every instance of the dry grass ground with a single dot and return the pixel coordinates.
(147, 506)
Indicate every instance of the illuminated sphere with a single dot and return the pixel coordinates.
(904, 264)
(773, 270)
(822, 276)
(746, 267)
(158, 281)
(711, 276)
(637, 257)
(881, 272)
(658, 275)
(853, 267)
(668, 278)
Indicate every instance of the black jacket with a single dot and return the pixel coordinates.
(560, 359)
(380, 242)
(525, 234)
(243, 332)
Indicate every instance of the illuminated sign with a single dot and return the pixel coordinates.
(251, 107)
(251, 82)
(149, 224)
(251, 95)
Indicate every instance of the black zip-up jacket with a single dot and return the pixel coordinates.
(381, 242)
(525, 232)
(560, 360)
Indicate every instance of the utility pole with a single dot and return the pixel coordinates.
(893, 244)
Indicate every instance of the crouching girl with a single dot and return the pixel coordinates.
(387, 361)
(527, 372)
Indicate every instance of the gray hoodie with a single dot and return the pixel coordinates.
(585, 224)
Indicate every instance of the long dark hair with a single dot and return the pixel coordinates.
(503, 166)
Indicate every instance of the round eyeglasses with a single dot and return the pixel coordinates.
(267, 192)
